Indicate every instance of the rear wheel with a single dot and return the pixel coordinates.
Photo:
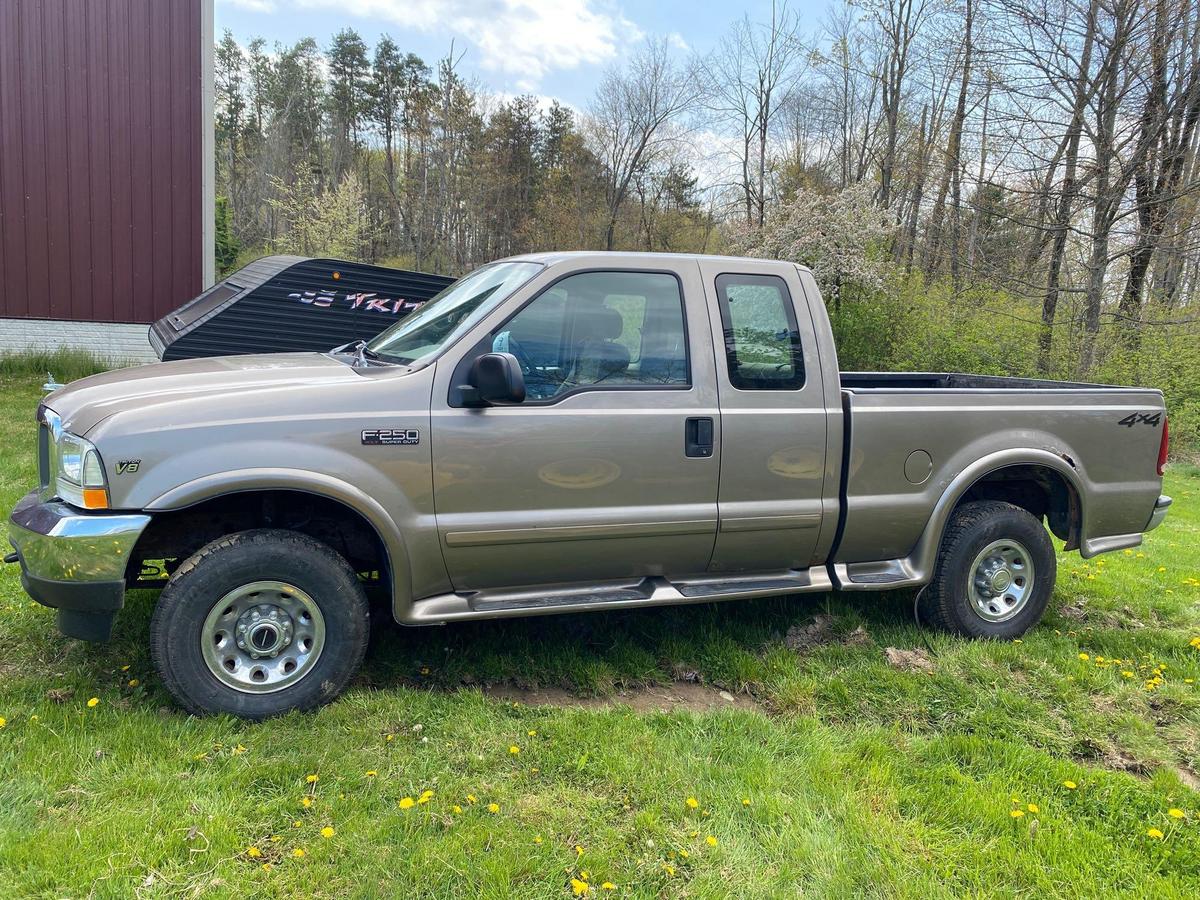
(259, 623)
(994, 574)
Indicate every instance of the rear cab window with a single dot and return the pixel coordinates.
(762, 340)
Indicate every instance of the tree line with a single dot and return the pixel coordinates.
(1034, 164)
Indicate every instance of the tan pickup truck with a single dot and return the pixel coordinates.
(559, 433)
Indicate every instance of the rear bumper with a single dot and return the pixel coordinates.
(1160, 512)
(74, 562)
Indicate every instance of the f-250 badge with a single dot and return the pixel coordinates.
(391, 436)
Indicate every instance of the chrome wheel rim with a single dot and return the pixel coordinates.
(262, 637)
(1000, 582)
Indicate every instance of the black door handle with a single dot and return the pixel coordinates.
(698, 436)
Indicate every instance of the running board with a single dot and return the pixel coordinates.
(884, 575)
(646, 592)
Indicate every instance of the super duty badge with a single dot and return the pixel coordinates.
(391, 436)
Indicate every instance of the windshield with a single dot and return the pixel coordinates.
(450, 313)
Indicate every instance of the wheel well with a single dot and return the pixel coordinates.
(173, 536)
(1039, 489)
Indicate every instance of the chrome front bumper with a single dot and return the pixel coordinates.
(74, 561)
(1160, 512)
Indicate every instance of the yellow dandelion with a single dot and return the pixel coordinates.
(1126, 674)
(312, 779)
(306, 802)
(538, 839)
(125, 668)
(578, 850)
(514, 749)
(371, 773)
(669, 869)
(1084, 657)
(407, 803)
(425, 797)
(94, 701)
(275, 839)
(1189, 681)
(684, 854)
(389, 737)
(238, 750)
(297, 824)
(745, 801)
(1016, 813)
(493, 807)
(4, 721)
(1032, 807)
(1070, 785)
(1176, 813)
(253, 852)
(266, 867)
(579, 888)
(608, 886)
(1018, 641)
(471, 798)
(711, 841)
(456, 809)
(1154, 833)
(532, 732)
(328, 832)
(298, 853)
(692, 802)
(133, 682)
(585, 875)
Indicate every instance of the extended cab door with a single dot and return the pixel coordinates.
(774, 465)
(609, 468)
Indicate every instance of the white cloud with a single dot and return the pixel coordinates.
(258, 6)
(675, 39)
(522, 38)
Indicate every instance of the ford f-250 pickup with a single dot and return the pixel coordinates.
(559, 433)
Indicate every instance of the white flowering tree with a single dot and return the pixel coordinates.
(840, 236)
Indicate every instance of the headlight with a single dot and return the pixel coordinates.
(81, 480)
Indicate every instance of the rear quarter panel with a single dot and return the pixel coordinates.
(1114, 465)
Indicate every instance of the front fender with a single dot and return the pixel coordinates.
(219, 484)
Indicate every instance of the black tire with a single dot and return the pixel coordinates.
(947, 603)
(177, 625)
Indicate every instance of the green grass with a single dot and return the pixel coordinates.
(862, 779)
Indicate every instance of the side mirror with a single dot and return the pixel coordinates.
(495, 378)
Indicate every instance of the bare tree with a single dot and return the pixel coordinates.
(632, 116)
(748, 81)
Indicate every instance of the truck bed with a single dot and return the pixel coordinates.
(912, 439)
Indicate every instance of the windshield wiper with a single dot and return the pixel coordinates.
(361, 352)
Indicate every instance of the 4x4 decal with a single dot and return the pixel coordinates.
(1141, 419)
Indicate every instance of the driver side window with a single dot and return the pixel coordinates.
(600, 329)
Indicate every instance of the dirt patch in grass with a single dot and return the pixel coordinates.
(677, 696)
(820, 631)
(908, 660)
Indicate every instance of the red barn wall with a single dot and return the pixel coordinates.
(101, 157)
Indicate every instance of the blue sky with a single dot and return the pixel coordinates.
(554, 48)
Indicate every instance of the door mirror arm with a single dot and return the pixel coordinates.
(495, 379)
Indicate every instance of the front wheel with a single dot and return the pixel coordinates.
(994, 575)
(259, 623)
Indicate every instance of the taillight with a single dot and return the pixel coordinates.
(1162, 449)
